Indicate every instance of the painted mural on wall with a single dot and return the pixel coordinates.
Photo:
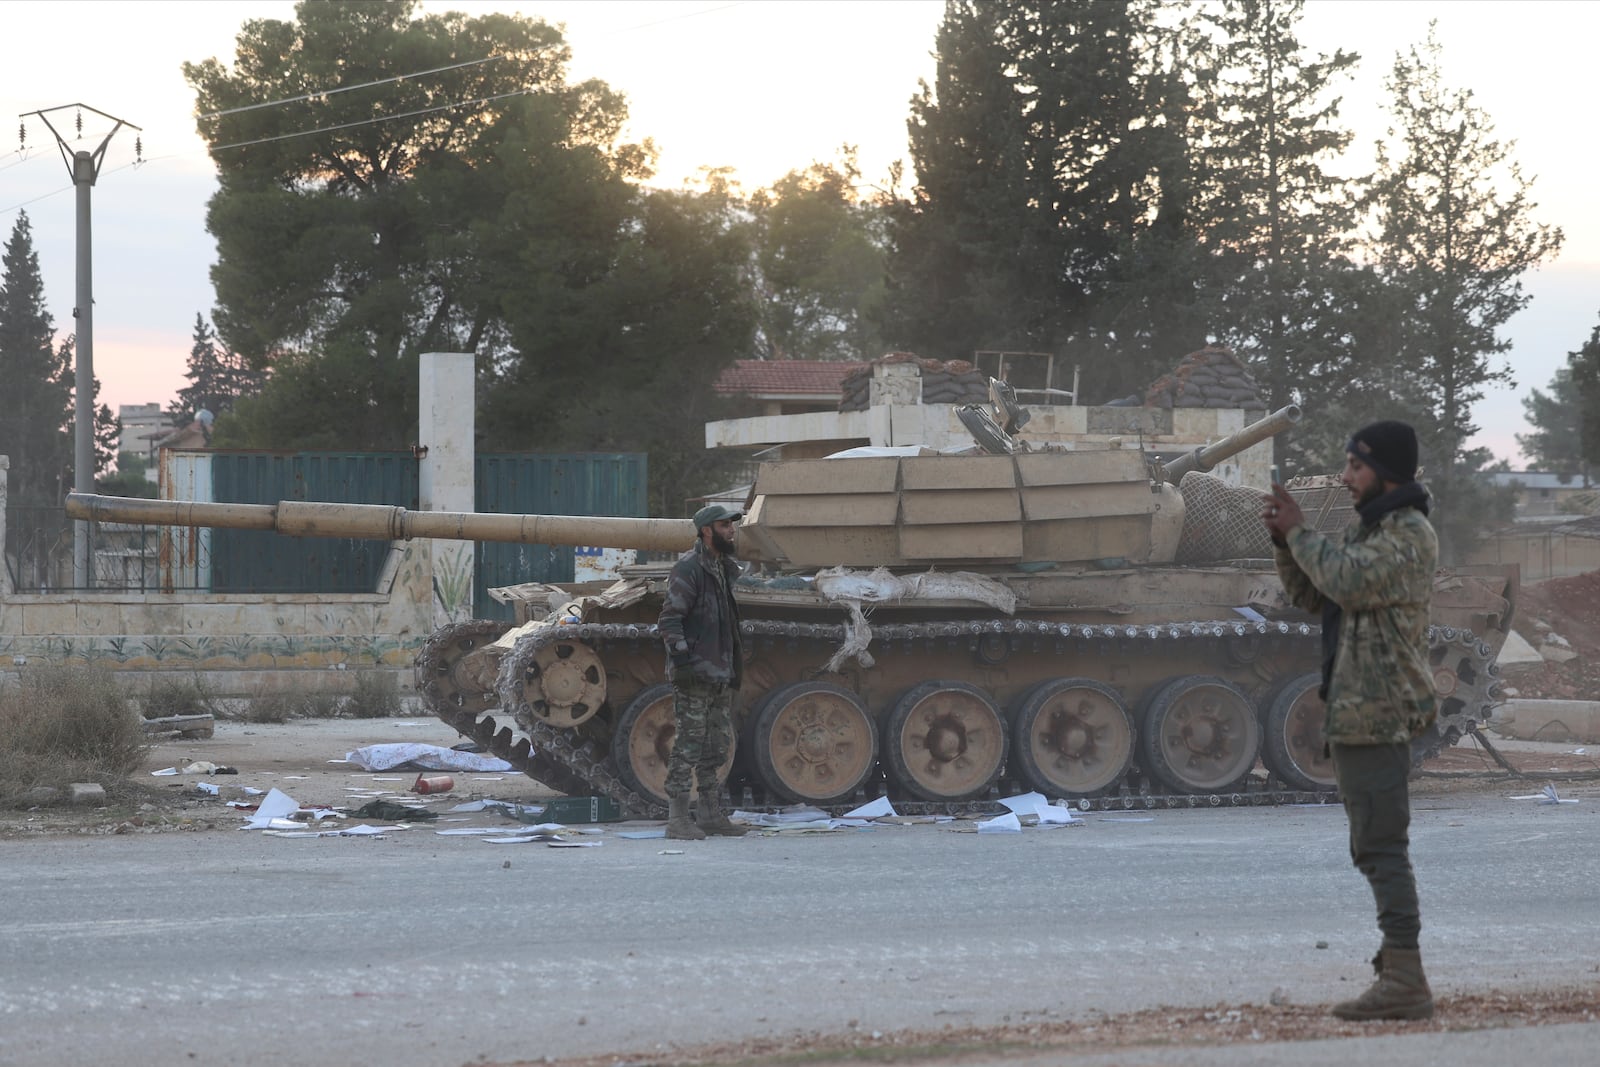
(452, 582)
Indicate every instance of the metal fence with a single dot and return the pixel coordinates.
(123, 557)
(156, 559)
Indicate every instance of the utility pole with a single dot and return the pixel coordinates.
(84, 167)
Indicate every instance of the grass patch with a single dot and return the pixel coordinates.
(285, 705)
(180, 696)
(60, 725)
(376, 696)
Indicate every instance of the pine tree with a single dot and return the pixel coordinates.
(217, 378)
(1585, 367)
(1456, 234)
(1277, 224)
(1556, 443)
(1048, 214)
(36, 415)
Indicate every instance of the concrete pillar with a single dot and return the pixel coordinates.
(445, 479)
(5, 571)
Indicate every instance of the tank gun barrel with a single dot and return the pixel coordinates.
(1208, 456)
(382, 522)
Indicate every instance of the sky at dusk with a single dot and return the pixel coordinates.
(762, 87)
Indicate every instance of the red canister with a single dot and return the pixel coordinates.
(438, 783)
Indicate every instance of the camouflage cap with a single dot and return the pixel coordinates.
(715, 513)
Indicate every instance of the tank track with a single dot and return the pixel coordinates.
(573, 764)
(1478, 680)
(542, 753)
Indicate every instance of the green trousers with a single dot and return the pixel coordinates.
(1372, 784)
(702, 735)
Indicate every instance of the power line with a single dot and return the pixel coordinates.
(23, 159)
(363, 122)
(287, 136)
(322, 93)
(35, 200)
(347, 88)
(369, 122)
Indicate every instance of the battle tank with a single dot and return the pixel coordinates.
(1088, 623)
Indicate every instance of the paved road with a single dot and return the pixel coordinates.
(418, 950)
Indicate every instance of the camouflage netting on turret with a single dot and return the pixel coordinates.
(1210, 378)
(1220, 521)
(943, 382)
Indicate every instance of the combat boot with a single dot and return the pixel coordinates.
(1400, 991)
(679, 826)
(711, 819)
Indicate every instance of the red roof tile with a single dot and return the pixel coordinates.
(784, 377)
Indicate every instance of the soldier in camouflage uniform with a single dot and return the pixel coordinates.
(699, 624)
(1373, 589)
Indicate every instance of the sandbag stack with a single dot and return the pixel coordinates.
(1210, 378)
(954, 381)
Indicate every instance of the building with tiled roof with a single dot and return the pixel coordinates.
(786, 386)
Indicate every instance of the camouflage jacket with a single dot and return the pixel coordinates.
(700, 618)
(1375, 588)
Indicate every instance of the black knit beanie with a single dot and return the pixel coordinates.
(1389, 448)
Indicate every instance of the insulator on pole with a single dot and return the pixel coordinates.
(22, 136)
(79, 121)
(138, 149)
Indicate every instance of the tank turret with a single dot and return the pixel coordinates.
(1032, 507)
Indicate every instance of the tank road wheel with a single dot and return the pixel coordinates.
(813, 742)
(1295, 743)
(455, 672)
(1200, 735)
(945, 741)
(642, 743)
(565, 683)
(1073, 737)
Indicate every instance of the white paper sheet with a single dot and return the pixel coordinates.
(872, 809)
(1035, 804)
(431, 757)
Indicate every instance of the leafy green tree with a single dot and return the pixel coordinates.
(129, 479)
(819, 265)
(1556, 443)
(660, 322)
(35, 419)
(399, 227)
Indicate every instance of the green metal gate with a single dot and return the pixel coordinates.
(521, 483)
(529, 483)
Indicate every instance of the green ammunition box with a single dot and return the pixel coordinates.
(570, 810)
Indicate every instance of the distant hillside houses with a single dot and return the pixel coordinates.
(1541, 493)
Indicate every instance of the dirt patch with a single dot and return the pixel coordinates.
(299, 757)
(1052, 1040)
(1569, 608)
